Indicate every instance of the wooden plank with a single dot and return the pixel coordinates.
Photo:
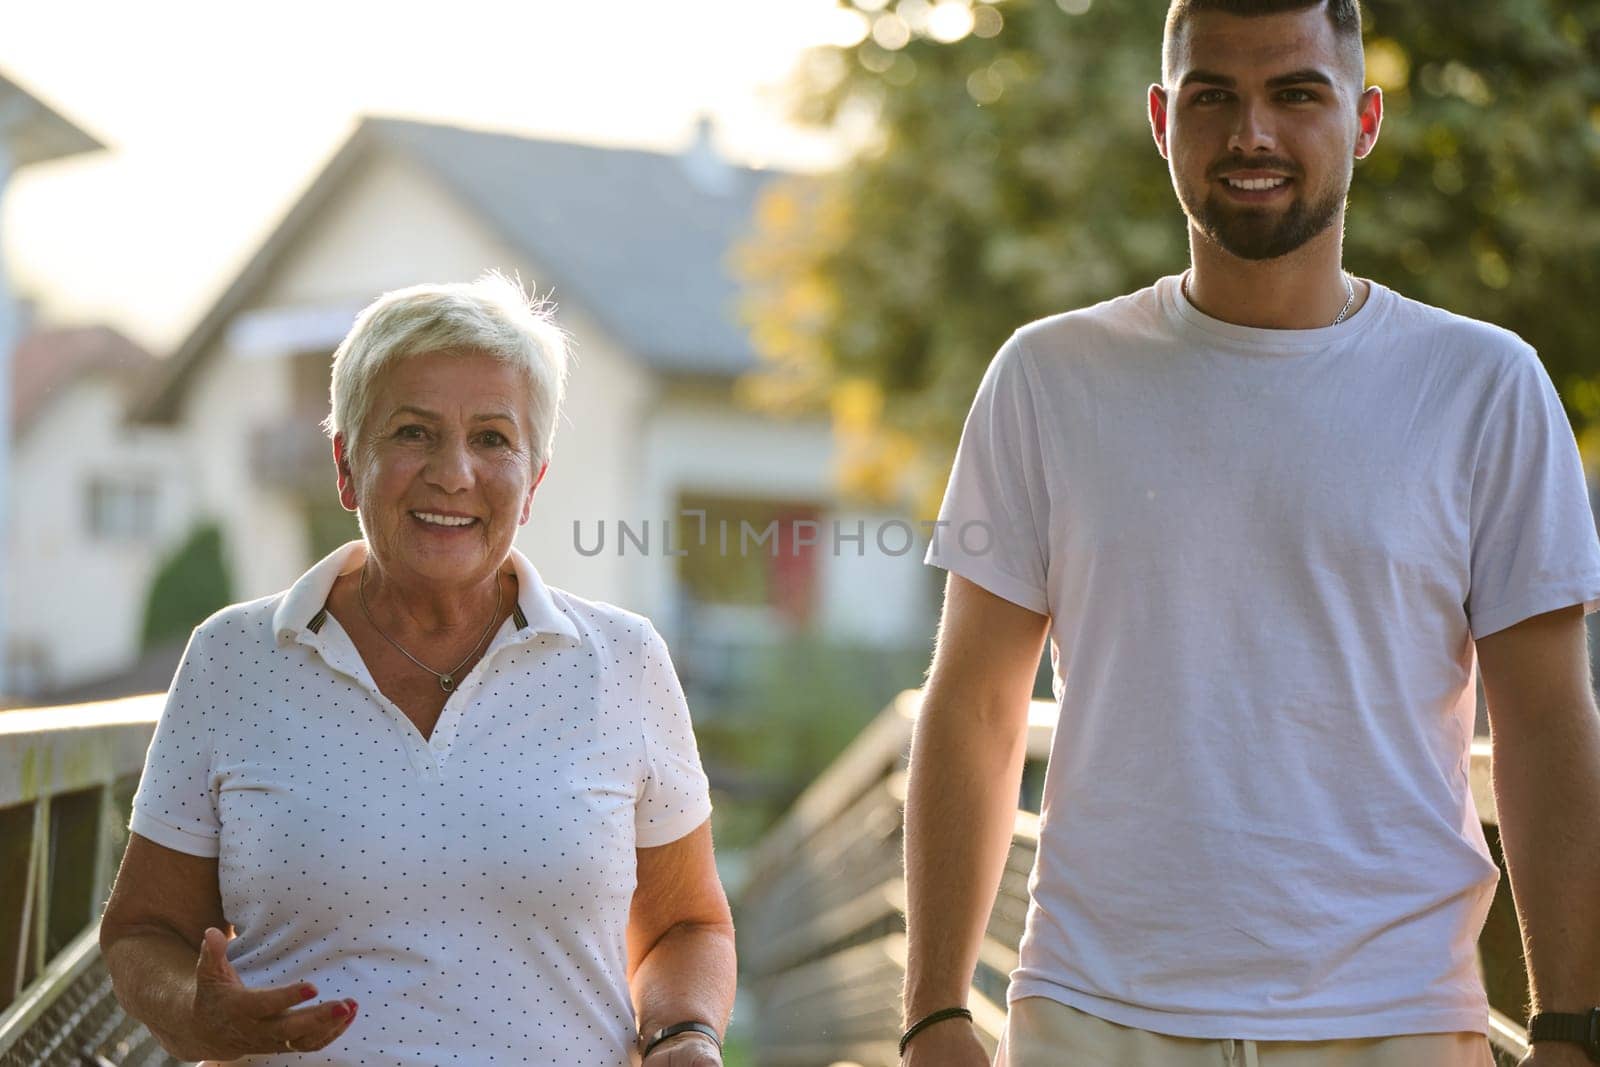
(17, 850)
(44, 751)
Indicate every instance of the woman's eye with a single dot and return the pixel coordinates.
(411, 433)
(493, 438)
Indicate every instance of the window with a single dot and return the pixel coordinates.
(755, 553)
(121, 508)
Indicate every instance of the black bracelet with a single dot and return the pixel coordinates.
(668, 1032)
(928, 1020)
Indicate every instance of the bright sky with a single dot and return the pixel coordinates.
(216, 115)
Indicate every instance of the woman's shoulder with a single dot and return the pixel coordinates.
(600, 620)
(249, 620)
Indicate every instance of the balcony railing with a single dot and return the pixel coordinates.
(67, 778)
(822, 921)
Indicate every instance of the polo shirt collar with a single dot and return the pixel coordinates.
(302, 607)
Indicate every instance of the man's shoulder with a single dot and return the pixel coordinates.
(1468, 340)
(1126, 319)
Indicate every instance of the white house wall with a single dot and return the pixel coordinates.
(79, 597)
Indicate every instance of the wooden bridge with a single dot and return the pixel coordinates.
(821, 925)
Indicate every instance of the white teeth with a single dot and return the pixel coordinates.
(443, 520)
(1255, 183)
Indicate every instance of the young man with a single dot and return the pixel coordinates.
(1269, 515)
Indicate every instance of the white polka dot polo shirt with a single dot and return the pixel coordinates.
(470, 890)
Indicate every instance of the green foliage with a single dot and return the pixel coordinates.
(1013, 176)
(806, 700)
(191, 584)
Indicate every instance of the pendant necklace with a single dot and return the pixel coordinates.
(447, 679)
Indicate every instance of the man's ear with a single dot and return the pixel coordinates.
(347, 481)
(527, 502)
(1158, 117)
(1371, 118)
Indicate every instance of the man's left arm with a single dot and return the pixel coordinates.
(1546, 737)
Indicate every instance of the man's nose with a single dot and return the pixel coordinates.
(1252, 129)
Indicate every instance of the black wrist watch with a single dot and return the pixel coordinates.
(648, 1044)
(1581, 1030)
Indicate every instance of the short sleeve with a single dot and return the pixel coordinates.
(176, 803)
(994, 523)
(674, 797)
(1534, 547)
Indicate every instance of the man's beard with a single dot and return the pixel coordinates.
(1255, 234)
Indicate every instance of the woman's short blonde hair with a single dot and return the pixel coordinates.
(491, 315)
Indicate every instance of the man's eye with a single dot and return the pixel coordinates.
(1298, 96)
(1210, 96)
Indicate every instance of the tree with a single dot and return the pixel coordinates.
(1010, 174)
(190, 585)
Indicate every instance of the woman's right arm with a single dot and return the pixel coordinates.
(162, 940)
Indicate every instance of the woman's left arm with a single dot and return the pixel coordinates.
(681, 965)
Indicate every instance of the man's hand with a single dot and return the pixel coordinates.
(685, 1050)
(951, 1043)
(231, 1020)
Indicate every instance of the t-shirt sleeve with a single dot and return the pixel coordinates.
(1534, 547)
(994, 522)
(674, 797)
(176, 803)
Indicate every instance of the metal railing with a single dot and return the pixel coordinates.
(67, 778)
(822, 919)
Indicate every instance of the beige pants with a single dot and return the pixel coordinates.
(1043, 1033)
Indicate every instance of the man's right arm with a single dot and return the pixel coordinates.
(966, 768)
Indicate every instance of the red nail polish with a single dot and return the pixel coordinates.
(339, 1011)
(307, 992)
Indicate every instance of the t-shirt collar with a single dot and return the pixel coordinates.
(302, 607)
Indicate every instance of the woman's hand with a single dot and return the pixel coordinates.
(231, 1020)
(685, 1050)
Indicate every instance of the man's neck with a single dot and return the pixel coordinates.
(1303, 290)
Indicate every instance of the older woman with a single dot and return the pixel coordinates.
(450, 814)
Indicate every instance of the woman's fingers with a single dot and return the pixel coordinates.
(308, 1029)
(213, 965)
(275, 1000)
(242, 1020)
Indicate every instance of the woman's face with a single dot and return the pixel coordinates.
(444, 474)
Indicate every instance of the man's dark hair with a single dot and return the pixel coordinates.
(1345, 15)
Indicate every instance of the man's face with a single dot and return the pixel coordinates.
(1260, 121)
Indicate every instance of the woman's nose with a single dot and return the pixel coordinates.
(450, 466)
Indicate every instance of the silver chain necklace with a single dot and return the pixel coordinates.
(1349, 288)
(447, 680)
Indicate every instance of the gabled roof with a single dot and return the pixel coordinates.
(48, 361)
(641, 240)
(37, 133)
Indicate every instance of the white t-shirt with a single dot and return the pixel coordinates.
(471, 890)
(1265, 555)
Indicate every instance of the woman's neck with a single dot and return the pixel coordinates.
(421, 606)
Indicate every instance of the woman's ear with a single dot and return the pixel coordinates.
(527, 501)
(347, 481)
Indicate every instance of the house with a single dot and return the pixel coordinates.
(93, 501)
(634, 247)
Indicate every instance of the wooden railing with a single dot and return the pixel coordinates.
(822, 918)
(67, 778)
